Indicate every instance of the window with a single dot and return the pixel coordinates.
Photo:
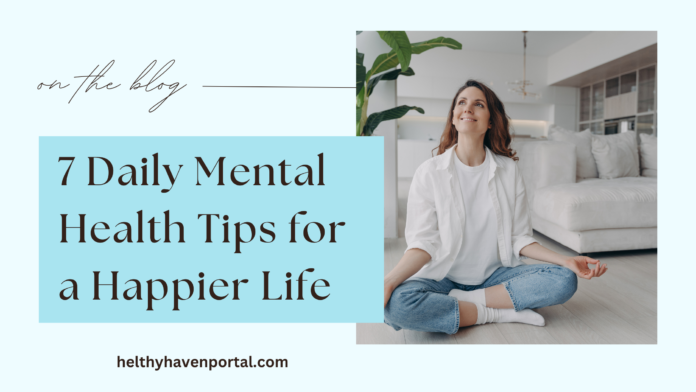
(585, 103)
(628, 83)
(598, 101)
(612, 87)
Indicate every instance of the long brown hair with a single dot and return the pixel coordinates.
(497, 138)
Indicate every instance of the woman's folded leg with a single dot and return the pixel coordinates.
(535, 286)
(423, 305)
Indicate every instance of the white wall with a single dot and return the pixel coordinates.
(440, 72)
(382, 98)
(594, 50)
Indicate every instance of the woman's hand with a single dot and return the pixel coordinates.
(579, 265)
(388, 289)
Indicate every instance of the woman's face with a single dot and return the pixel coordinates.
(471, 113)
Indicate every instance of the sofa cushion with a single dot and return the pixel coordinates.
(648, 155)
(616, 155)
(586, 167)
(600, 204)
(649, 173)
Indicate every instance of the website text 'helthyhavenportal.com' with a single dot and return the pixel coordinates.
(157, 364)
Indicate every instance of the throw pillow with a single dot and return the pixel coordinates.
(586, 167)
(648, 155)
(616, 155)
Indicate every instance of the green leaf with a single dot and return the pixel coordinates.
(383, 62)
(408, 72)
(359, 58)
(392, 114)
(358, 32)
(360, 83)
(359, 70)
(439, 42)
(389, 60)
(398, 41)
(391, 75)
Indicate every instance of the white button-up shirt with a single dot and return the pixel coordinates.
(435, 214)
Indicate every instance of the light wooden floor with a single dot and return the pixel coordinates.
(617, 308)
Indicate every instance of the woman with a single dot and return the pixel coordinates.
(468, 229)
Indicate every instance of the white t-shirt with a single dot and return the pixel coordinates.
(478, 257)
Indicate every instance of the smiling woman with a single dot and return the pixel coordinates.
(468, 229)
(498, 139)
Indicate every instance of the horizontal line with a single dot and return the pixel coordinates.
(277, 87)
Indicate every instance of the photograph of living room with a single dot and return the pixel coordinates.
(583, 110)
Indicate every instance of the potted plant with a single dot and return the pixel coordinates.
(381, 69)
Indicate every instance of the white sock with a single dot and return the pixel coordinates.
(490, 315)
(474, 296)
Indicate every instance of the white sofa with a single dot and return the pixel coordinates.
(586, 215)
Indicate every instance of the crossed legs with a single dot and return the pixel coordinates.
(424, 304)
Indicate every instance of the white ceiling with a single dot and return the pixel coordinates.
(539, 43)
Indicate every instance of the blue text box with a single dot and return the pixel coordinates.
(352, 193)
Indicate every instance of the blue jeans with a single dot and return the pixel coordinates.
(423, 304)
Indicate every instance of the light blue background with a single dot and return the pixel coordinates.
(296, 43)
(352, 265)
